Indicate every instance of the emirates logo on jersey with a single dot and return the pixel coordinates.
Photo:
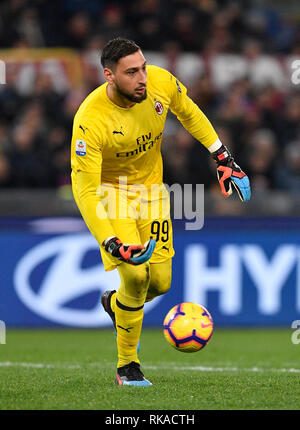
(159, 108)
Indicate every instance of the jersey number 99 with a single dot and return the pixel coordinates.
(160, 230)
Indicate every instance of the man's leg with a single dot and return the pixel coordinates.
(128, 304)
(160, 279)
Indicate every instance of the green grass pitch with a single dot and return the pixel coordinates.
(75, 369)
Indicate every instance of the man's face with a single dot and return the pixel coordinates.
(130, 77)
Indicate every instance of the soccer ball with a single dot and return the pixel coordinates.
(188, 327)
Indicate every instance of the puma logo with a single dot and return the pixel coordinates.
(164, 247)
(126, 329)
(83, 128)
(118, 132)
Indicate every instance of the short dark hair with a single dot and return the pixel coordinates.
(116, 49)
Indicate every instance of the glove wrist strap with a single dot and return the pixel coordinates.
(111, 244)
(222, 156)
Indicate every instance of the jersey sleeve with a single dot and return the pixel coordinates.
(86, 161)
(86, 148)
(190, 115)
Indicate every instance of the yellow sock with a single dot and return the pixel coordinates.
(128, 306)
(129, 325)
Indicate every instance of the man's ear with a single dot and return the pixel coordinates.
(108, 75)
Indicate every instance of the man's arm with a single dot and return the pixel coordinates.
(198, 125)
(86, 162)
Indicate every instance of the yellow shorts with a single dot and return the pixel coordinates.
(137, 217)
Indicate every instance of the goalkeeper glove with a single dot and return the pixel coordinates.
(132, 254)
(229, 173)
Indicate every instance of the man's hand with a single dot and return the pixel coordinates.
(132, 254)
(229, 173)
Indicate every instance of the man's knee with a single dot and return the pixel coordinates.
(141, 276)
(160, 280)
(160, 285)
(138, 278)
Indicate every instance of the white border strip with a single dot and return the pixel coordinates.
(149, 367)
(225, 369)
(38, 365)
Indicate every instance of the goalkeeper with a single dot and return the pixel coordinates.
(116, 161)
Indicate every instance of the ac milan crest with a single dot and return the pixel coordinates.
(159, 108)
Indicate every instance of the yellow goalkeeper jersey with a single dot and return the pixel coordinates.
(126, 142)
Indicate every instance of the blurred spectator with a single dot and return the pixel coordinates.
(78, 30)
(287, 174)
(261, 159)
(93, 76)
(29, 27)
(263, 69)
(4, 171)
(111, 23)
(288, 125)
(177, 159)
(204, 94)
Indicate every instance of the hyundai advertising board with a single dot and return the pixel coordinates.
(246, 272)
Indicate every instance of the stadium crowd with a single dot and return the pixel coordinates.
(234, 58)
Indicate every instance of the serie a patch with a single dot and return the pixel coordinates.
(80, 147)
